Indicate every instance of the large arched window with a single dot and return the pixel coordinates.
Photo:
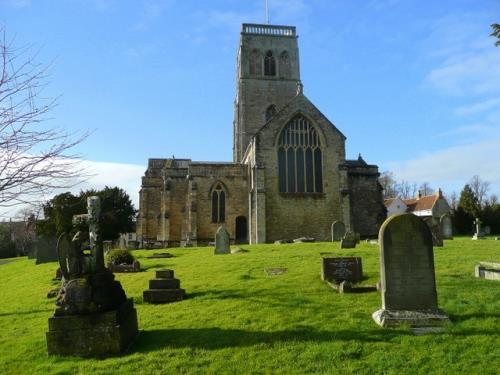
(285, 71)
(299, 158)
(218, 204)
(269, 64)
(270, 112)
(255, 63)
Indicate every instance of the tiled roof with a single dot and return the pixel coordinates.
(424, 203)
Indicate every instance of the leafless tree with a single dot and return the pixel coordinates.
(425, 189)
(453, 198)
(34, 159)
(388, 184)
(406, 189)
(480, 189)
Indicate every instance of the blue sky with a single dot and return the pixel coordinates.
(414, 85)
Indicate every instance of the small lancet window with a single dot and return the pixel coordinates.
(285, 71)
(218, 204)
(270, 112)
(255, 63)
(300, 168)
(269, 64)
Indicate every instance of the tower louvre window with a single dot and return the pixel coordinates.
(255, 63)
(284, 65)
(299, 158)
(218, 204)
(269, 64)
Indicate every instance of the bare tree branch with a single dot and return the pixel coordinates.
(34, 160)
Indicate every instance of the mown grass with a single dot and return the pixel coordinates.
(237, 319)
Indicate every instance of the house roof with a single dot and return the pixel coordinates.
(425, 202)
(388, 201)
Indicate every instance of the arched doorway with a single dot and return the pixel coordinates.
(241, 230)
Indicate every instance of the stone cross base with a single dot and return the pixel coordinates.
(478, 236)
(94, 335)
(165, 288)
(419, 321)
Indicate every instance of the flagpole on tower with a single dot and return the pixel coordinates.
(267, 13)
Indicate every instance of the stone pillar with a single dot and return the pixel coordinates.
(260, 207)
(164, 232)
(192, 214)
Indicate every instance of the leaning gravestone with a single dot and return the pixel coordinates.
(93, 317)
(446, 227)
(348, 241)
(408, 283)
(222, 245)
(338, 230)
(45, 250)
(341, 269)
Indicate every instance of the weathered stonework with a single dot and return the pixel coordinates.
(176, 201)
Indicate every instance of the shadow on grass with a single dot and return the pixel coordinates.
(29, 312)
(217, 338)
(458, 318)
(146, 267)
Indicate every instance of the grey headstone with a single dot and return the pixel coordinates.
(408, 285)
(446, 227)
(46, 250)
(338, 230)
(435, 227)
(349, 241)
(222, 245)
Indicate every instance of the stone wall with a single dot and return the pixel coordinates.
(292, 215)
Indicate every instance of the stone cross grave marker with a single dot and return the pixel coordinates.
(341, 269)
(222, 241)
(478, 234)
(446, 227)
(338, 230)
(408, 285)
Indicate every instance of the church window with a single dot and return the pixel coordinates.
(285, 65)
(269, 64)
(218, 204)
(270, 112)
(255, 63)
(299, 158)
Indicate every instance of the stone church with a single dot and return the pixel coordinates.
(289, 176)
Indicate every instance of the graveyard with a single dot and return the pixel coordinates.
(237, 318)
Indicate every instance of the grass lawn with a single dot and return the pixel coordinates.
(237, 319)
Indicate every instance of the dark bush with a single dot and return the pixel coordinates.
(119, 256)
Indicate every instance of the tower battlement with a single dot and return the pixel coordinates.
(276, 30)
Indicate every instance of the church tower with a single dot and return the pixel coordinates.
(267, 76)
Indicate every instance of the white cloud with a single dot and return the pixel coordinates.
(18, 4)
(452, 167)
(478, 73)
(125, 176)
(478, 107)
(151, 11)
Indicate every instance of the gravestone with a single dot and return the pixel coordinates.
(478, 234)
(304, 239)
(93, 317)
(222, 241)
(446, 227)
(435, 228)
(348, 241)
(164, 288)
(341, 269)
(45, 250)
(338, 230)
(408, 285)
